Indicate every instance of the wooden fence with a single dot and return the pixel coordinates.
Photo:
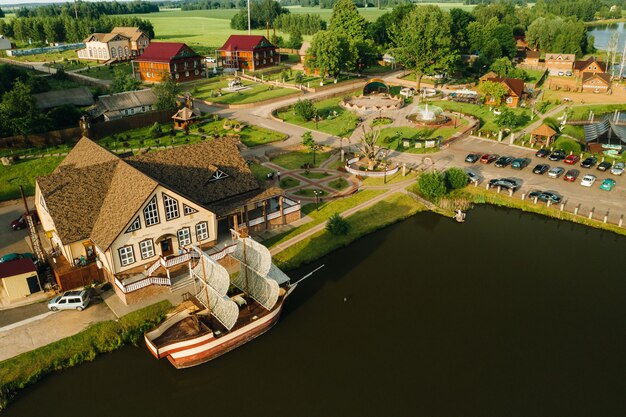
(103, 129)
(40, 140)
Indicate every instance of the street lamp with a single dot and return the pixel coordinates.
(317, 193)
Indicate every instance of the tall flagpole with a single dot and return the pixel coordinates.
(249, 17)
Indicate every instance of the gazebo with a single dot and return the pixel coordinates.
(544, 134)
(184, 117)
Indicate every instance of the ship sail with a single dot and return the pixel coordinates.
(258, 276)
(214, 280)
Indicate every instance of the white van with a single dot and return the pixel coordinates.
(70, 300)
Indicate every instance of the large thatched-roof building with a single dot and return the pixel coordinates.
(138, 216)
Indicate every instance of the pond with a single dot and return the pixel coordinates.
(603, 33)
(508, 314)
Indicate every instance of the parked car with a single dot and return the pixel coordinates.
(561, 73)
(70, 300)
(20, 222)
(589, 162)
(541, 169)
(210, 60)
(571, 159)
(489, 158)
(571, 175)
(546, 196)
(604, 166)
(15, 256)
(542, 153)
(472, 158)
(557, 155)
(504, 161)
(608, 184)
(618, 168)
(506, 183)
(588, 180)
(556, 172)
(520, 163)
(473, 177)
(568, 73)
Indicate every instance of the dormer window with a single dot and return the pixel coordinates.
(218, 175)
(188, 210)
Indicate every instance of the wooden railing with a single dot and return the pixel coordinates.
(137, 285)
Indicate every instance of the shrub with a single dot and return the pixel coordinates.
(455, 178)
(432, 185)
(155, 130)
(304, 109)
(337, 225)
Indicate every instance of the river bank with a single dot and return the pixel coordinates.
(23, 370)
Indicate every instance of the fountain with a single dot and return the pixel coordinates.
(428, 115)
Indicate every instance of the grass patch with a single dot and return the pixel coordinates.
(250, 135)
(208, 90)
(582, 112)
(310, 192)
(141, 138)
(534, 76)
(478, 195)
(381, 121)
(575, 131)
(48, 57)
(27, 368)
(397, 207)
(377, 69)
(314, 175)
(326, 209)
(335, 119)
(391, 179)
(106, 72)
(289, 182)
(24, 173)
(339, 184)
(260, 172)
(392, 137)
(481, 112)
(297, 159)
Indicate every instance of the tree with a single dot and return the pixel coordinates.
(432, 185)
(379, 30)
(330, 53)
(346, 20)
(295, 40)
(460, 20)
(455, 178)
(337, 225)
(166, 93)
(309, 142)
(155, 130)
(423, 42)
(505, 69)
(123, 81)
(368, 145)
(493, 91)
(299, 78)
(304, 109)
(1, 13)
(18, 112)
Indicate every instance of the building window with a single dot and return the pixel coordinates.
(146, 247)
(125, 50)
(185, 64)
(202, 231)
(143, 108)
(264, 61)
(196, 72)
(218, 175)
(90, 53)
(175, 67)
(135, 225)
(186, 73)
(125, 112)
(184, 237)
(177, 76)
(148, 74)
(127, 255)
(132, 111)
(188, 210)
(151, 213)
(171, 207)
(509, 100)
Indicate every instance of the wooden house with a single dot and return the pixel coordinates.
(515, 90)
(248, 52)
(589, 66)
(168, 60)
(559, 63)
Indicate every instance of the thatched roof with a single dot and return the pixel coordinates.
(94, 193)
(544, 130)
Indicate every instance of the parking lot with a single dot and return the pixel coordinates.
(613, 202)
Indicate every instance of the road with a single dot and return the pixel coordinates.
(13, 240)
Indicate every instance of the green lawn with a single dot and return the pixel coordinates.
(250, 135)
(486, 117)
(397, 207)
(296, 159)
(106, 72)
(315, 175)
(141, 138)
(326, 209)
(576, 131)
(54, 56)
(24, 173)
(310, 192)
(68, 65)
(289, 182)
(391, 137)
(260, 172)
(377, 69)
(208, 90)
(582, 112)
(534, 76)
(391, 179)
(339, 184)
(343, 124)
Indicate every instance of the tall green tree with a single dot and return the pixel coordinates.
(123, 81)
(493, 91)
(166, 93)
(379, 30)
(18, 112)
(423, 42)
(346, 20)
(330, 53)
(1, 13)
(309, 143)
(505, 69)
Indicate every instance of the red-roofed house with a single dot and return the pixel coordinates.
(163, 60)
(589, 66)
(249, 52)
(515, 87)
(18, 278)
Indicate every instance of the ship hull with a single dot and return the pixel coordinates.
(206, 347)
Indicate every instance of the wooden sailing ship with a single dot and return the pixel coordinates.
(215, 322)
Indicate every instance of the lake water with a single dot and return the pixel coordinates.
(603, 33)
(508, 314)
